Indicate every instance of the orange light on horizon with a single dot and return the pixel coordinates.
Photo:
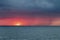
(18, 24)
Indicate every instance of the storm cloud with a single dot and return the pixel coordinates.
(30, 4)
(32, 7)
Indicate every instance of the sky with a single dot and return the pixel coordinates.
(30, 12)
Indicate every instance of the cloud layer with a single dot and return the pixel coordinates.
(44, 7)
(29, 4)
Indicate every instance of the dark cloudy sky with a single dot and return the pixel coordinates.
(30, 4)
(30, 9)
(36, 6)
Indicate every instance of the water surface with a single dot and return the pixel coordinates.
(29, 33)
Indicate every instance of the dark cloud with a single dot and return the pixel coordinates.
(13, 8)
(30, 4)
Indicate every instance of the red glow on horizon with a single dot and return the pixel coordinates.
(30, 21)
(23, 21)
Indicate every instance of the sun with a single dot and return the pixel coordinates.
(18, 24)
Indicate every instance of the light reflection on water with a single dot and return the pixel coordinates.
(29, 33)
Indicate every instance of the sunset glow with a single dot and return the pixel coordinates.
(27, 22)
(18, 24)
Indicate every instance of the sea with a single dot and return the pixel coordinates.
(30, 33)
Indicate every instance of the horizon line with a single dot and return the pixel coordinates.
(29, 26)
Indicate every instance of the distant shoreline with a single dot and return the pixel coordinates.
(29, 26)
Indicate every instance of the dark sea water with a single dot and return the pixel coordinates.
(29, 33)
